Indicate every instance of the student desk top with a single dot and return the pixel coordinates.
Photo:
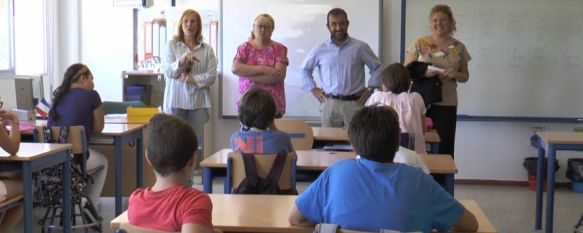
(551, 142)
(121, 133)
(340, 134)
(269, 213)
(315, 160)
(35, 156)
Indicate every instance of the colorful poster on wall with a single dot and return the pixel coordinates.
(155, 27)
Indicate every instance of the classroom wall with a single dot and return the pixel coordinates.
(484, 150)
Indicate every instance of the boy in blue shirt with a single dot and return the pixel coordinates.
(258, 133)
(373, 193)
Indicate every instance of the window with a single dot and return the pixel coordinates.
(6, 42)
(29, 37)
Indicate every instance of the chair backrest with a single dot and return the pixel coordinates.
(76, 137)
(236, 170)
(10, 202)
(126, 227)
(300, 132)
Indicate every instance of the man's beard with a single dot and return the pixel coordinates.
(339, 36)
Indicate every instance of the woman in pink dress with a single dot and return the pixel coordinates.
(261, 61)
(408, 105)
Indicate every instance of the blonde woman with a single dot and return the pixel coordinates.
(451, 55)
(261, 61)
(190, 68)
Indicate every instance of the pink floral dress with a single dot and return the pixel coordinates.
(247, 54)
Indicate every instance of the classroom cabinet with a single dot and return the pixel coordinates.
(147, 87)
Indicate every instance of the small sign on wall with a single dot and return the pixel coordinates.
(133, 3)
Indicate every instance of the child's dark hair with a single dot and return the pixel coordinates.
(170, 143)
(73, 73)
(395, 78)
(374, 133)
(257, 108)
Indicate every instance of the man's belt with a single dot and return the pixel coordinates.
(343, 97)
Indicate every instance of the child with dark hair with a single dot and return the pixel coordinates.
(259, 135)
(75, 102)
(170, 204)
(373, 193)
(409, 105)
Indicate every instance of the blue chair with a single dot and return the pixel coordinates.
(90, 218)
(263, 162)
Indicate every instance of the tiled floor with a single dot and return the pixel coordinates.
(511, 209)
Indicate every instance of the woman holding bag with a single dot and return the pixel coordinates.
(450, 55)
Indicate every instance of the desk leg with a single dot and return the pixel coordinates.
(66, 182)
(207, 179)
(539, 188)
(118, 165)
(140, 162)
(449, 183)
(550, 188)
(27, 178)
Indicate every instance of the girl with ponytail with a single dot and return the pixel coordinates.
(75, 102)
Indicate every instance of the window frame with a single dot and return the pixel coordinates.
(9, 72)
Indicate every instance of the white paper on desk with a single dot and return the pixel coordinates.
(435, 68)
(116, 116)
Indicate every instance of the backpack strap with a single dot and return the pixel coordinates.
(249, 162)
(276, 167)
(63, 134)
(48, 136)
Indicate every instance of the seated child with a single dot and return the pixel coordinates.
(170, 204)
(10, 183)
(258, 133)
(409, 105)
(373, 193)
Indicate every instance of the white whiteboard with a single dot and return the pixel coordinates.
(300, 25)
(527, 55)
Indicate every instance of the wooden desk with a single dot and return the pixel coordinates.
(551, 142)
(122, 134)
(269, 213)
(33, 157)
(314, 160)
(340, 134)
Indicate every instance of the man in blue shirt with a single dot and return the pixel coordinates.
(373, 193)
(340, 61)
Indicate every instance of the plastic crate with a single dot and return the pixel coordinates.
(141, 115)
